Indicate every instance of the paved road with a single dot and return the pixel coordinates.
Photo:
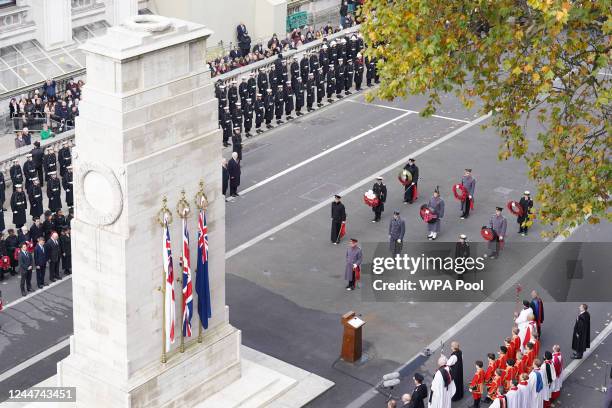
(281, 261)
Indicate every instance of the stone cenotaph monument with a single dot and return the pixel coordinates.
(148, 129)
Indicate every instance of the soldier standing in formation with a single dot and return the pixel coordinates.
(469, 183)
(67, 184)
(16, 174)
(320, 81)
(380, 190)
(436, 204)
(29, 172)
(36, 199)
(358, 71)
(252, 86)
(498, 224)
(64, 158)
(54, 192)
(331, 83)
(2, 191)
(237, 142)
(226, 125)
(262, 81)
(269, 107)
(243, 90)
(237, 116)
(19, 205)
(260, 111)
(526, 204)
(298, 89)
(248, 117)
(279, 103)
(338, 217)
(49, 162)
(410, 189)
(288, 98)
(310, 92)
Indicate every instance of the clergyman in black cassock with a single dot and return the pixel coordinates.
(581, 338)
(455, 362)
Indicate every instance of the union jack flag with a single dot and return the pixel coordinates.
(202, 284)
(169, 300)
(187, 285)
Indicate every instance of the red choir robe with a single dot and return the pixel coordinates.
(477, 384)
(490, 373)
(511, 351)
(558, 366)
(536, 347)
(516, 343)
(501, 361)
(493, 386)
(511, 374)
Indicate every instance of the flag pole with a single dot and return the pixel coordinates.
(164, 217)
(182, 208)
(201, 201)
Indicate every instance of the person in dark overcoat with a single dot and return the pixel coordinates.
(35, 197)
(455, 363)
(19, 205)
(581, 337)
(380, 191)
(66, 250)
(233, 169)
(338, 217)
(54, 192)
(469, 183)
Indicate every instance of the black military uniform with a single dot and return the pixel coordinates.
(279, 103)
(310, 92)
(237, 116)
(252, 86)
(320, 83)
(305, 66)
(323, 60)
(273, 80)
(222, 97)
(370, 68)
(226, 126)
(358, 72)
(269, 108)
(411, 189)
(237, 142)
(331, 83)
(64, 158)
(54, 192)
(37, 158)
(348, 77)
(66, 252)
(299, 96)
(243, 90)
(288, 100)
(380, 191)
(314, 63)
(340, 68)
(260, 111)
(49, 163)
(248, 117)
(29, 172)
(262, 81)
(67, 184)
(36, 200)
(232, 95)
(2, 190)
(16, 174)
(19, 206)
(295, 70)
(526, 204)
(338, 216)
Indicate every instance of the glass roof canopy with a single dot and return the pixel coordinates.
(27, 63)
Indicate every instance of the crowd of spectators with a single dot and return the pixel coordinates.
(45, 109)
(244, 53)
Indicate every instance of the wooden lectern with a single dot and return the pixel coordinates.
(351, 339)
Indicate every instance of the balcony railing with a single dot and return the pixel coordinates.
(14, 18)
(81, 6)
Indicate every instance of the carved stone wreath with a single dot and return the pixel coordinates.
(86, 210)
(148, 23)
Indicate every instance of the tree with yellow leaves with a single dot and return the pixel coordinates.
(544, 60)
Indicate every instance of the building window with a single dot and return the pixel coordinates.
(4, 3)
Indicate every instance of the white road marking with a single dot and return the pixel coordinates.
(408, 110)
(323, 153)
(355, 186)
(37, 292)
(604, 74)
(472, 314)
(33, 360)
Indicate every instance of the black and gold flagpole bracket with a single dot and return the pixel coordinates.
(201, 202)
(164, 217)
(183, 209)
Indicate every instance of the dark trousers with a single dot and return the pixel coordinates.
(335, 231)
(523, 228)
(54, 270)
(26, 280)
(409, 193)
(476, 403)
(466, 209)
(67, 264)
(40, 275)
(39, 170)
(377, 212)
(495, 245)
(233, 189)
(351, 283)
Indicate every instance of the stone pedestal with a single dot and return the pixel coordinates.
(147, 129)
(53, 20)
